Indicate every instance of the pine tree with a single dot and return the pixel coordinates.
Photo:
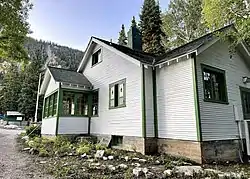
(150, 26)
(122, 40)
(28, 95)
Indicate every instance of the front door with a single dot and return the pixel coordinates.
(245, 97)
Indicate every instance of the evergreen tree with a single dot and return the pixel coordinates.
(28, 95)
(182, 22)
(11, 88)
(122, 40)
(150, 26)
(133, 22)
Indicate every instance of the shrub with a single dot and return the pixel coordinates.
(62, 145)
(43, 152)
(100, 147)
(33, 131)
(108, 152)
(83, 149)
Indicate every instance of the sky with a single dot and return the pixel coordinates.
(73, 22)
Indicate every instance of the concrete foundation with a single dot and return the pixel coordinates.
(220, 151)
(181, 148)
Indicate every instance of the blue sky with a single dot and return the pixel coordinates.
(73, 22)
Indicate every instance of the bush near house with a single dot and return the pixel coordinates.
(33, 131)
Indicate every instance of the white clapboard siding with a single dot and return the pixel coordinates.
(175, 101)
(49, 126)
(149, 102)
(52, 86)
(217, 120)
(73, 125)
(121, 121)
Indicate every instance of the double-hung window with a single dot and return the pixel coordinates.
(117, 95)
(96, 57)
(95, 104)
(214, 83)
(50, 108)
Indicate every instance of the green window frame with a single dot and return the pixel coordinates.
(50, 108)
(214, 84)
(75, 104)
(95, 103)
(117, 94)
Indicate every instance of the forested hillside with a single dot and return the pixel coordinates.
(54, 54)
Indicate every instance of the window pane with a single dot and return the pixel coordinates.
(116, 95)
(95, 104)
(68, 103)
(46, 107)
(82, 105)
(214, 85)
(51, 105)
(55, 104)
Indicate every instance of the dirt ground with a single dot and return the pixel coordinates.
(13, 164)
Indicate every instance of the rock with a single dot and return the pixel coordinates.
(104, 158)
(142, 160)
(26, 138)
(90, 160)
(70, 154)
(111, 167)
(135, 158)
(95, 164)
(210, 171)
(124, 166)
(99, 154)
(66, 164)
(110, 157)
(84, 155)
(167, 173)
(145, 170)
(31, 151)
(136, 164)
(26, 149)
(43, 162)
(188, 170)
(126, 158)
(138, 172)
(157, 162)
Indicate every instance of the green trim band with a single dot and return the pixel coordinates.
(59, 107)
(196, 99)
(144, 134)
(155, 102)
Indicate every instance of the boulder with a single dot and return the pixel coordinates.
(188, 170)
(99, 154)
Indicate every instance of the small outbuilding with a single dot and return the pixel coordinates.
(14, 117)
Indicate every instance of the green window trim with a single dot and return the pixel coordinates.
(223, 93)
(117, 94)
(95, 103)
(50, 105)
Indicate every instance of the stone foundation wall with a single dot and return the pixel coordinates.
(220, 151)
(180, 148)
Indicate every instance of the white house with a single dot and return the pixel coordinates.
(194, 101)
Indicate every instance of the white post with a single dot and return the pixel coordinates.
(37, 97)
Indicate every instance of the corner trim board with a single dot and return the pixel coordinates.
(59, 107)
(144, 133)
(196, 99)
(155, 102)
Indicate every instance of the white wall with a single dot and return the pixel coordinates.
(121, 121)
(73, 125)
(49, 126)
(149, 102)
(52, 86)
(175, 101)
(217, 120)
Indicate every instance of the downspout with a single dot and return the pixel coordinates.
(37, 96)
(144, 134)
(59, 107)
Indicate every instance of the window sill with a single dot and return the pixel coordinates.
(95, 116)
(96, 64)
(215, 101)
(117, 107)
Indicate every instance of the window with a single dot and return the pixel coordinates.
(75, 104)
(96, 57)
(116, 140)
(117, 94)
(95, 104)
(214, 84)
(50, 107)
(82, 105)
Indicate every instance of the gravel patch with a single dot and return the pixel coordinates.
(13, 164)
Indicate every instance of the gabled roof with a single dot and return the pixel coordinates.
(191, 46)
(136, 54)
(69, 76)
